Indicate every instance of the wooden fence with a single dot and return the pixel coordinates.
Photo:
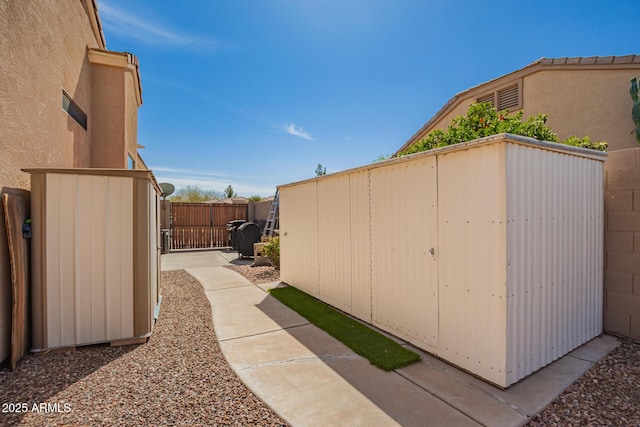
(203, 225)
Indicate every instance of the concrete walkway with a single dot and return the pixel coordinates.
(310, 379)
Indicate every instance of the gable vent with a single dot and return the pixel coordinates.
(508, 97)
(487, 98)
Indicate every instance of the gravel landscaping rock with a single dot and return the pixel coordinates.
(608, 394)
(257, 275)
(179, 377)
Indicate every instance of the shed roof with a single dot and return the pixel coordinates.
(506, 138)
(542, 64)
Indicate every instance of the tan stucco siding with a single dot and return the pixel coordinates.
(43, 49)
(580, 102)
(43, 46)
(131, 120)
(108, 122)
(593, 103)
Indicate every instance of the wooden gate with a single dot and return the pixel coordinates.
(203, 225)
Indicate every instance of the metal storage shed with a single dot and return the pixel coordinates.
(487, 254)
(95, 256)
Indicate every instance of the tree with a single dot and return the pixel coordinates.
(255, 198)
(484, 120)
(229, 193)
(193, 194)
(320, 170)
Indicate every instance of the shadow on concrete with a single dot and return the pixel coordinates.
(402, 393)
(400, 398)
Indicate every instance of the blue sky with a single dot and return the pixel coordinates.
(256, 93)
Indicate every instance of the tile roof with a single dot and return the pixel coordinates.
(590, 60)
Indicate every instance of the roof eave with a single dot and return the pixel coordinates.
(91, 7)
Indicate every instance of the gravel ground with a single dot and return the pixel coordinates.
(608, 394)
(179, 377)
(257, 275)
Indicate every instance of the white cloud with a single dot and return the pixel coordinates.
(291, 129)
(211, 180)
(129, 25)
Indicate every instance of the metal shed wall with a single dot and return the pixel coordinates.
(472, 254)
(555, 255)
(334, 242)
(95, 256)
(404, 278)
(515, 277)
(360, 230)
(300, 240)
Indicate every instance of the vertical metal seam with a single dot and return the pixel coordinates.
(370, 249)
(317, 290)
(75, 261)
(437, 253)
(350, 247)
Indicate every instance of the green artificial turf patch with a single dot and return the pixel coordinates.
(378, 349)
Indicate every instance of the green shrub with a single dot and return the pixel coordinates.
(272, 251)
(484, 120)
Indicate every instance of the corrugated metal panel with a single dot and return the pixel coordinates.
(119, 258)
(471, 256)
(554, 259)
(299, 236)
(88, 238)
(334, 242)
(360, 245)
(516, 227)
(404, 229)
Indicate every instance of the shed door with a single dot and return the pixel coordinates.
(404, 230)
(299, 238)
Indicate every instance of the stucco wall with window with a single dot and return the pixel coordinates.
(46, 48)
(44, 51)
(43, 45)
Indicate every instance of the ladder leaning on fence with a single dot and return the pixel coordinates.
(272, 218)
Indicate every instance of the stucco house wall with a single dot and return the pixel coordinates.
(49, 47)
(581, 96)
(580, 102)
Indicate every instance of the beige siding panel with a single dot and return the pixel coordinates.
(472, 238)
(98, 254)
(360, 220)
(516, 228)
(54, 253)
(83, 214)
(334, 242)
(404, 229)
(119, 260)
(299, 236)
(89, 237)
(61, 290)
(554, 260)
